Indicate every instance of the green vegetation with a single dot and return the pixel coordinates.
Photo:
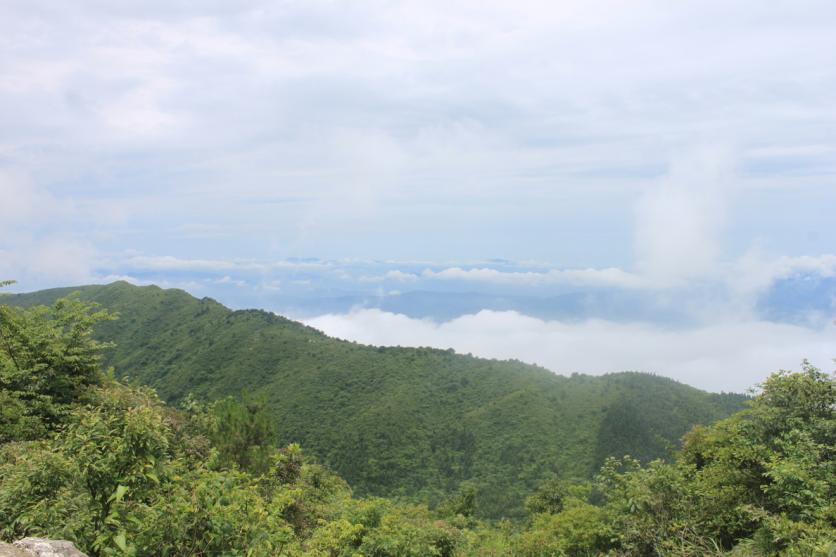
(762, 482)
(416, 422)
(114, 469)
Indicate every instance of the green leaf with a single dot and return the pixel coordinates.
(120, 541)
(120, 492)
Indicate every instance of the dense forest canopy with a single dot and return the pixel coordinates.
(114, 469)
(393, 421)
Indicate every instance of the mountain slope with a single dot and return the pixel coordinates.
(409, 421)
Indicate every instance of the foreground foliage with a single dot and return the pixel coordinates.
(114, 469)
(762, 482)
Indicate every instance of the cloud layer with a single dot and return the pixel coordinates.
(420, 130)
(731, 356)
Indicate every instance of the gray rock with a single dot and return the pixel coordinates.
(39, 547)
(7, 550)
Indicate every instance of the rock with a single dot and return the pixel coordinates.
(39, 547)
(7, 550)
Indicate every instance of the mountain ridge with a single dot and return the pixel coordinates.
(419, 422)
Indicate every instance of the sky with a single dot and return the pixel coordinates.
(674, 159)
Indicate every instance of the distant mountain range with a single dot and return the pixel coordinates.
(800, 299)
(613, 305)
(416, 422)
(803, 299)
(310, 287)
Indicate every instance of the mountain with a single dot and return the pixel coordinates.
(805, 298)
(443, 306)
(416, 422)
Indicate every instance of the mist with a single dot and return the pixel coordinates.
(725, 356)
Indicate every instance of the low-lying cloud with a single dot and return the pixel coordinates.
(725, 356)
(586, 277)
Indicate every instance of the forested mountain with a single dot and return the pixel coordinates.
(396, 421)
(110, 467)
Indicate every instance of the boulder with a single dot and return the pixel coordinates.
(40, 547)
(8, 550)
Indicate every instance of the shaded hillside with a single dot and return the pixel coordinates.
(411, 421)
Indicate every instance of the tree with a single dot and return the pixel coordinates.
(48, 359)
(547, 498)
(244, 433)
(769, 472)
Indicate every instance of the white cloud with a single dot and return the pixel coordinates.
(679, 222)
(393, 275)
(107, 279)
(310, 265)
(48, 261)
(612, 277)
(27, 206)
(373, 117)
(755, 272)
(37, 237)
(226, 279)
(731, 356)
(171, 263)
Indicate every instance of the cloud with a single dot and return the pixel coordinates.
(612, 277)
(754, 272)
(393, 275)
(730, 356)
(106, 279)
(226, 279)
(680, 221)
(568, 132)
(47, 261)
(28, 207)
(37, 239)
(389, 122)
(168, 262)
(309, 265)
(172, 263)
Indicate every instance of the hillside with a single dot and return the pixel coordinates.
(396, 421)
